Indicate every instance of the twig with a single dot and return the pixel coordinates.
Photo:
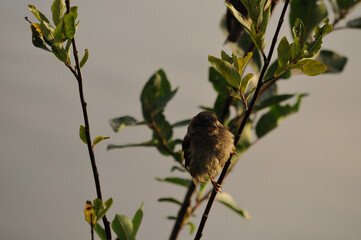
(78, 75)
(243, 124)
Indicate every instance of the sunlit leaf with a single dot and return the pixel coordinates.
(123, 227)
(58, 9)
(137, 220)
(283, 51)
(227, 200)
(85, 58)
(241, 18)
(37, 38)
(69, 21)
(104, 209)
(311, 67)
(191, 227)
(227, 70)
(314, 46)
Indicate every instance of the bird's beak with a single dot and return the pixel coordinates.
(212, 127)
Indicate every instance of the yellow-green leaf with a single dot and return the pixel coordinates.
(99, 139)
(85, 58)
(82, 134)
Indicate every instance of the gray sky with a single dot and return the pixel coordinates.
(301, 181)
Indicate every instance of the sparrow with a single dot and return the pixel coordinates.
(207, 146)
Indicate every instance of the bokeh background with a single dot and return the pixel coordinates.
(302, 181)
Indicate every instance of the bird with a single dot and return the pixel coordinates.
(207, 146)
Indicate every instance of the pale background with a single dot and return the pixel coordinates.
(301, 181)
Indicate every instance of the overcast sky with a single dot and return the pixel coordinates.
(301, 181)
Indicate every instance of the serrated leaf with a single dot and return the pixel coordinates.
(283, 51)
(334, 61)
(227, 200)
(100, 231)
(69, 21)
(311, 67)
(171, 200)
(123, 227)
(239, 16)
(137, 220)
(354, 23)
(58, 11)
(275, 115)
(178, 181)
(82, 134)
(314, 46)
(227, 70)
(85, 58)
(311, 13)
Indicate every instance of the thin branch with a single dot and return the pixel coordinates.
(243, 124)
(77, 73)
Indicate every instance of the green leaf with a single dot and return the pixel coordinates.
(245, 82)
(164, 129)
(227, 70)
(255, 10)
(227, 200)
(334, 62)
(315, 45)
(275, 115)
(271, 71)
(218, 82)
(283, 51)
(67, 49)
(259, 40)
(281, 70)
(58, 11)
(85, 58)
(137, 220)
(266, 17)
(41, 17)
(171, 200)
(242, 62)
(177, 168)
(178, 181)
(69, 21)
(82, 134)
(311, 12)
(58, 32)
(99, 139)
(100, 231)
(97, 205)
(273, 100)
(118, 123)
(311, 67)
(242, 19)
(59, 51)
(48, 32)
(155, 95)
(181, 123)
(355, 23)
(74, 10)
(226, 57)
(104, 209)
(123, 227)
(191, 227)
(150, 143)
(37, 39)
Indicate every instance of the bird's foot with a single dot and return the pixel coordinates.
(216, 186)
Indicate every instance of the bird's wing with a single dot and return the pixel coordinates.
(186, 144)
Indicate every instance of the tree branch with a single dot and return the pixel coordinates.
(243, 124)
(77, 73)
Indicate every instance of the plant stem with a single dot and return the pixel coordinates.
(243, 123)
(79, 78)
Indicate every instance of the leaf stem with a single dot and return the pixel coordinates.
(243, 123)
(78, 75)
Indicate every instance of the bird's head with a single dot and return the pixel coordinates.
(205, 122)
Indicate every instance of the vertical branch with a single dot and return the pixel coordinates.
(77, 73)
(243, 123)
